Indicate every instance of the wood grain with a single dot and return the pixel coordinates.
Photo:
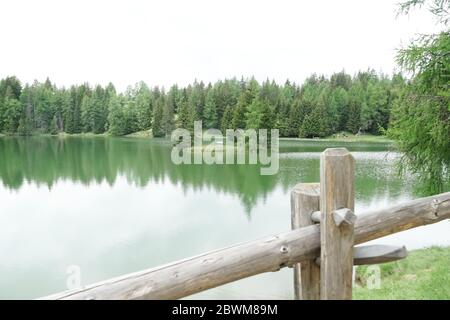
(305, 200)
(337, 168)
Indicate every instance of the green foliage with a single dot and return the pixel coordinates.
(267, 118)
(240, 111)
(253, 116)
(130, 115)
(339, 104)
(420, 119)
(186, 115)
(356, 102)
(157, 129)
(316, 124)
(54, 126)
(13, 111)
(317, 108)
(286, 99)
(195, 101)
(296, 117)
(86, 114)
(116, 118)
(144, 108)
(227, 119)
(210, 118)
(168, 117)
(440, 8)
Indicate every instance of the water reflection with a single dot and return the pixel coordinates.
(46, 160)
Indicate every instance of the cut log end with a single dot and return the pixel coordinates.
(375, 254)
(344, 216)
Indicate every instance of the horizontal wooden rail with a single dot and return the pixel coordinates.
(205, 271)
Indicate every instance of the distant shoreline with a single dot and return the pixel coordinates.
(148, 134)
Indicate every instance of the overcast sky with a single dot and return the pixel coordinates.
(176, 41)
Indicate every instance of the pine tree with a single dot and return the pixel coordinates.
(116, 117)
(54, 126)
(307, 129)
(227, 119)
(296, 116)
(284, 109)
(196, 100)
(77, 96)
(98, 110)
(44, 105)
(210, 111)
(354, 117)
(26, 122)
(186, 116)
(316, 124)
(68, 112)
(86, 114)
(356, 103)
(253, 116)
(157, 128)
(339, 108)
(168, 121)
(239, 121)
(144, 106)
(13, 112)
(130, 116)
(267, 118)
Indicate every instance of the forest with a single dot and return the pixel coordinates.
(412, 107)
(319, 107)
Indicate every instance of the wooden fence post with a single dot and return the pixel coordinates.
(304, 201)
(337, 223)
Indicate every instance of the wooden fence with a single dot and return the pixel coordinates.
(320, 246)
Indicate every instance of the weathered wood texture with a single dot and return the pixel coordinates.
(375, 254)
(378, 253)
(195, 274)
(305, 200)
(337, 168)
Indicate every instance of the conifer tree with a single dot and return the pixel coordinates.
(157, 128)
(54, 126)
(86, 114)
(239, 114)
(168, 121)
(210, 111)
(186, 116)
(227, 119)
(116, 117)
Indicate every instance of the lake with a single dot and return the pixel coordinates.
(109, 206)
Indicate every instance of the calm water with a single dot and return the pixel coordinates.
(116, 205)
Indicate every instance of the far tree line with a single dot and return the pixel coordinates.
(319, 107)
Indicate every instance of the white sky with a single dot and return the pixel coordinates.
(167, 41)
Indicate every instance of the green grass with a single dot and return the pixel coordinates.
(424, 274)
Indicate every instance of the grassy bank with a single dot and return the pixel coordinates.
(424, 274)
